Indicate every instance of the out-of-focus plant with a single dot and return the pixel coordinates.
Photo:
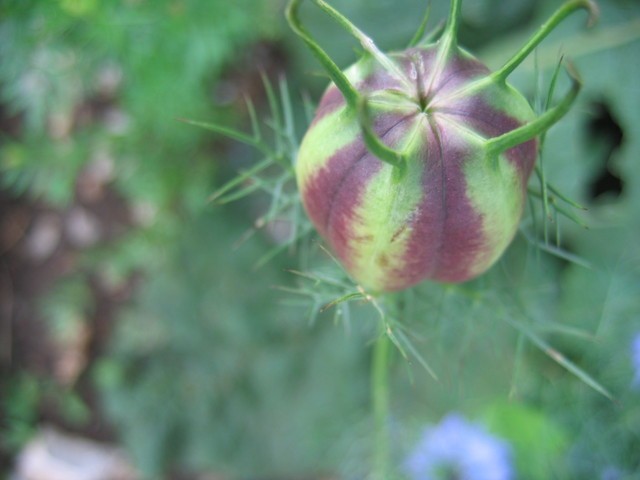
(90, 93)
(212, 369)
(516, 296)
(635, 357)
(458, 449)
(110, 78)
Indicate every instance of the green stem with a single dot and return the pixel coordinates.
(373, 142)
(253, 141)
(450, 34)
(367, 43)
(551, 92)
(563, 12)
(434, 34)
(423, 26)
(350, 93)
(447, 43)
(540, 170)
(454, 18)
(541, 124)
(380, 399)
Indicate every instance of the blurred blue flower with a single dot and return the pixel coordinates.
(611, 473)
(457, 449)
(635, 359)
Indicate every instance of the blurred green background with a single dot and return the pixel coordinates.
(133, 312)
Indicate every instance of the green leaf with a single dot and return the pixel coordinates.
(539, 444)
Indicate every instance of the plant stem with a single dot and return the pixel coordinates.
(453, 22)
(351, 95)
(497, 145)
(374, 143)
(367, 43)
(421, 29)
(380, 400)
(563, 12)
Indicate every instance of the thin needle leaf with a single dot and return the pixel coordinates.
(560, 209)
(273, 108)
(422, 28)
(287, 112)
(344, 298)
(228, 132)
(558, 357)
(255, 126)
(417, 355)
(241, 178)
(558, 252)
(564, 198)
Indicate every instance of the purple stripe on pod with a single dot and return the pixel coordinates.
(463, 227)
(478, 115)
(343, 224)
(475, 114)
(330, 102)
(524, 156)
(376, 80)
(342, 218)
(320, 189)
(420, 59)
(458, 70)
(446, 232)
(334, 194)
(425, 225)
(417, 64)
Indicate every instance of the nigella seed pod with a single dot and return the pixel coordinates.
(416, 164)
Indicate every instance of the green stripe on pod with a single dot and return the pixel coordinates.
(384, 215)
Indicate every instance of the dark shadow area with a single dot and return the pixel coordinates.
(604, 131)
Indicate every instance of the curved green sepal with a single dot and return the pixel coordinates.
(449, 37)
(374, 144)
(563, 12)
(367, 43)
(542, 123)
(350, 93)
(448, 41)
(253, 141)
(419, 35)
(433, 35)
